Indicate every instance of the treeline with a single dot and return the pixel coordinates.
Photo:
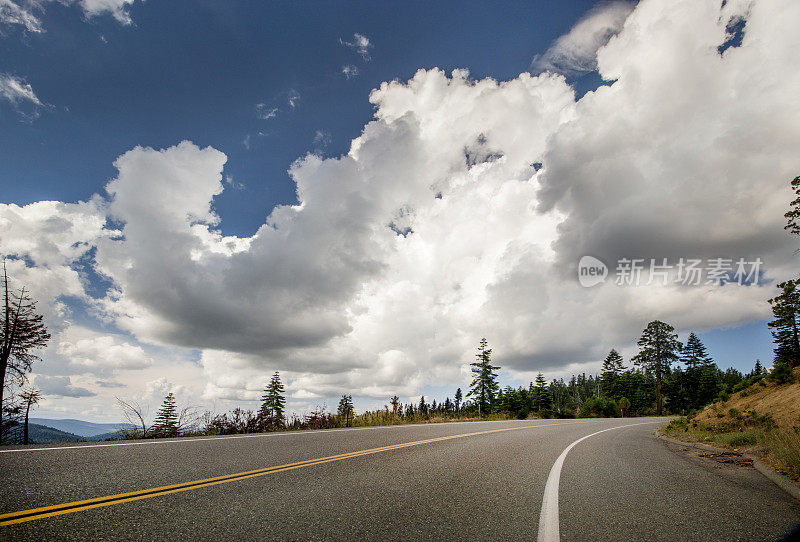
(665, 375)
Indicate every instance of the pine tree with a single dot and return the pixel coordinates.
(484, 385)
(793, 216)
(612, 369)
(694, 353)
(346, 409)
(786, 306)
(543, 398)
(273, 402)
(758, 369)
(423, 406)
(658, 349)
(786, 310)
(459, 397)
(166, 422)
(448, 405)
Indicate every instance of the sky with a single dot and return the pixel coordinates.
(201, 193)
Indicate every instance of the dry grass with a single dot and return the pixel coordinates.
(782, 402)
(763, 420)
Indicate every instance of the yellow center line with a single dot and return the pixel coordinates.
(22, 516)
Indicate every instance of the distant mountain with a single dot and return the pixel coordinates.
(40, 434)
(80, 427)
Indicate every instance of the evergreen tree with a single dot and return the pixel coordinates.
(484, 385)
(694, 353)
(786, 306)
(346, 409)
(448, 405)
(166, 422)
(423, 406)
(687, 393)
(786, 310)
(793, 216)
(273, 402)
(709, 385)
(542, 394)
(758, 369)
(658, 349)
(612, 369)
(458, 399)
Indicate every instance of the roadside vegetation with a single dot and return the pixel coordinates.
(761, 414)
(760, 418)
(618, 391)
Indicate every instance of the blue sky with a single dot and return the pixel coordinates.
(422, 223)
(198, 70)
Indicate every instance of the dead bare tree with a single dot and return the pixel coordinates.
(134, 414)
(188, 419)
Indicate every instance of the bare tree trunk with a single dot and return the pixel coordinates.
(658, 389)
(5, 348)
(27, 413)
(3, 365)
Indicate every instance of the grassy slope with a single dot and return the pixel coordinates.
(763, 420)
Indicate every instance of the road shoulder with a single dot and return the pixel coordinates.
(783, 482)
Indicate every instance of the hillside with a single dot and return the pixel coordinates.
(80, 427)
(761, 419)
(40, 434)
(780, 402)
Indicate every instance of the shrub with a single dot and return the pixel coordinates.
(741, 438)
(595, 407)
(781, 373)
(678, 424)
(566, 413)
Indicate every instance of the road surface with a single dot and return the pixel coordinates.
(514, 480)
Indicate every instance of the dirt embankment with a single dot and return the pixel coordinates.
(780, 401)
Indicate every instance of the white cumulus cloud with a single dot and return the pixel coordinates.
(461, 211)
(103, 352)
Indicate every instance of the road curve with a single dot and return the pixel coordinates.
(477, 481)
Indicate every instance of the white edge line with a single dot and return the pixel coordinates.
(548, 519)
(252, 435)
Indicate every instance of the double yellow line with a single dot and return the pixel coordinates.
(78, 506)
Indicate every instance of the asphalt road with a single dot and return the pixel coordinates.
(457, 481)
